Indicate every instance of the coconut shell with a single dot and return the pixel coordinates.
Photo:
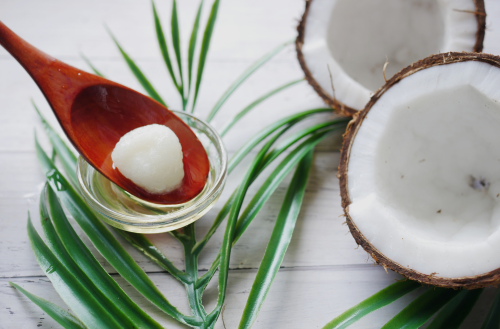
(341, 108)
(472, 282)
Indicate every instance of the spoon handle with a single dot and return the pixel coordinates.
(34, 61)
(59, 82)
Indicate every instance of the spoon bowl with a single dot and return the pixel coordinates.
(95, 113)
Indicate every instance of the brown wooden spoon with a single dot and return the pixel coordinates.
(95, 113)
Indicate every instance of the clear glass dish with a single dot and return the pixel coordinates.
(122, 210)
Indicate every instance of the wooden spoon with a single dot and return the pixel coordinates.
(95, 113)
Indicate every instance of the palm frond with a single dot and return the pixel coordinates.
(245, 75)
(455, 312)
(164, 49)
(259, 100)
(493, 317)
(63, 317)
(205, 45)
(148, 87)
(192, 46)
(104, 241)
(74, 294)
(421, 309)
(382, 298)
(278, 243)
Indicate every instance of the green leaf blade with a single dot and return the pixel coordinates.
(421, 309)
(227, 242)
(61, 316)
(75, 255)
(229, 203)
(336, 124)
(455, 312)
(68, 159)
(254, 141)
(174, 22)
(278, 243)
(57, 247)
(164, 48)
(245, 75)
(141, 243)
(235, 226)
(192, 46)
(270, 156)
(248, 108)
(492, 320)
(148, 87)
(273, 181)
(104, 241)
(382, 298)
(205, 45)
(86, 308)
(92, 67)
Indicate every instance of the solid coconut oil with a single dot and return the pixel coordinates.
(123, 210)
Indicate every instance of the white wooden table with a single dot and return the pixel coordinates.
(323, 273)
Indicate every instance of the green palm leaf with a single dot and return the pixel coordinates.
(229, 203)
(68, 159)
(286, 144)
(270, 156)
(174, 24)
(421, 309)
(75, 255)
(89, 63)
(104, 241)
(254, 141)
(141, 243)
(227, 242)
(247, 73)
(278, 243)
(234, 229)
(247, 109)
(205, 44)
(273, 181)
(79, 299)
(455, 312)
(492, 320)
(148, 87)
(63, 317)
(164, 49)
(382, 298)
(192, 46)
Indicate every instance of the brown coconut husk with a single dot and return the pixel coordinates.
(341, 108)
(472, 282)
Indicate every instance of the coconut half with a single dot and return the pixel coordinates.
(420, 172)
(343, 45)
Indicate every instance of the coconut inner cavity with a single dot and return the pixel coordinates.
(346, 42)
(362, 34)
(424, 171)
(151, 157)
(438, 165)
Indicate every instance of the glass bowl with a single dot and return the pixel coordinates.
(122, 210)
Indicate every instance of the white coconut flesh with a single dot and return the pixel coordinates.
(351, 40)
(151, 157)
(424, 171)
